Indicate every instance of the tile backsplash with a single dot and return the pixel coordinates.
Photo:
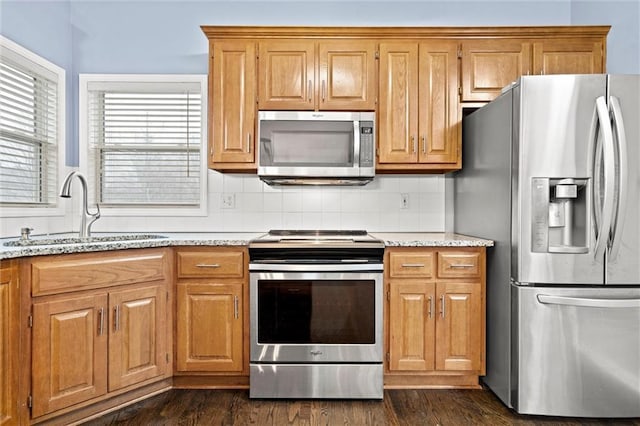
(243, 203)
(389, 203)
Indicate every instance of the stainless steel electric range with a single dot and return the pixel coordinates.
(316, 315)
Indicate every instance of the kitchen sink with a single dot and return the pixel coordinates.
(78, 240)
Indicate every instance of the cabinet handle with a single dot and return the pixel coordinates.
(100, 321)
(442, 305)
(461, 265)
(116, 318)
(323, 90)
(208, 265)
(249, 142)
(413, 142)
(235, 307)
(309, 91)
(430, 306)
(424, 145)
(413, 265)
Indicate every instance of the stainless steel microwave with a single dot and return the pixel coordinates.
(308, 147)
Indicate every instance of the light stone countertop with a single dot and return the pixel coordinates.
(430, 239)
(170, 239)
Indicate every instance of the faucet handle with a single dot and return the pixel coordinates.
(25, 232)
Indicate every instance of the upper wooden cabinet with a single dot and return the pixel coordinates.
(417, 79)
(326, 75)
(490, 65)
(568, 56)
(232, 96)
(418, 112)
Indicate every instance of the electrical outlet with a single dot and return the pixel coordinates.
(228, 201)
(404, 201)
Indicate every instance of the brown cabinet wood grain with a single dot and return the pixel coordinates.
(104, 331)
(568, 56)
(69, 350)
(9, 338)
(490, 65)
(435, 317)
(212, 317)
(310, 75)
(232, 97)
(418, 111)
(137, 339)
(210, 327)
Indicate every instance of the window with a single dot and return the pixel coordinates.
(144, 137)
(31, 130)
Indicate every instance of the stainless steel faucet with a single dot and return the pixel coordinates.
(65, 192)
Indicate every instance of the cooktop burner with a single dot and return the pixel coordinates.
(281, 245)
(315, 233)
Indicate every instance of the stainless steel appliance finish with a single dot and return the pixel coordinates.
(550, 174)
(316, 315)
(316, 148)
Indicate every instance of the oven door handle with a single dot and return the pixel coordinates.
(346, 267)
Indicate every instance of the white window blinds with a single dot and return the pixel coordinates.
(144, 143)
(28, 134)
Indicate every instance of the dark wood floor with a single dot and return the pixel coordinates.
(399, 407)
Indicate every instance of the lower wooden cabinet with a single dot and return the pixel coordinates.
(209, 327)
(9, 338)
(92, 344)
(212, 321)
(435, 314)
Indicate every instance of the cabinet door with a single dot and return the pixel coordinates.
(438, 102)
(411, 326)
(210, 327)
(9, 338)
(137, 339)
(398, 109)
(568, 56)
(459, 326)
(233, 101)
(347, 71)
(490, 65)
(287, 75)
(69, 352)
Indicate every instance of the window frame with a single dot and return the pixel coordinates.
(40, 65)
(84, 80)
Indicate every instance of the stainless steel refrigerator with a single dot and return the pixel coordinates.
(551, 173)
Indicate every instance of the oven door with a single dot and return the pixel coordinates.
(320, 317)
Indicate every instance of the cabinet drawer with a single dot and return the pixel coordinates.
(411, 264)
(458, 264)
(202, 264)
(65, 273)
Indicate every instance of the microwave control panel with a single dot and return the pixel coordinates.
(366, 145)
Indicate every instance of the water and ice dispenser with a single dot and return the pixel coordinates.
(560, 217)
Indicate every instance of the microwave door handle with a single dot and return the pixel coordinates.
(356, 144)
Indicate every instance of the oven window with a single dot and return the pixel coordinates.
(316, 311)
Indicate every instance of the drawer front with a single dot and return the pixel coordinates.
(61, 274)
(409, 264)
(458, 264)
(202, 264)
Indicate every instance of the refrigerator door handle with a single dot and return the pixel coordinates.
(618, 224)
(608, 160)
(588, 302)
